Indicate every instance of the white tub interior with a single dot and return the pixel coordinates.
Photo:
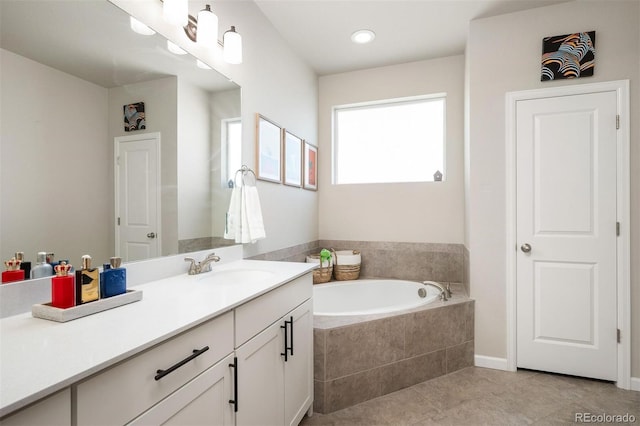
(364, 297)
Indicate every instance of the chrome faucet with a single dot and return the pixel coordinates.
(444, 292)
(200, 267)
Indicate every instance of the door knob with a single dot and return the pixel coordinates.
(151, 235)
(526, 248)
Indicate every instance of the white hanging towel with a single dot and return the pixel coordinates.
(244, 217)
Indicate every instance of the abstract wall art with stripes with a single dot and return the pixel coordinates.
(568, 56)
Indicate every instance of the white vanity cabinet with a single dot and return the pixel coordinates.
(275, 364)
(203, 401)
(54, 410)
(124, 392)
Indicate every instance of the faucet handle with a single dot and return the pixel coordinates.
(192, 266)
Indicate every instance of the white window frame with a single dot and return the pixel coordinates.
(226, 173)
(386, 102)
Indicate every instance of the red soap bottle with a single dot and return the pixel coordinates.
(63, 287)
(13, 272)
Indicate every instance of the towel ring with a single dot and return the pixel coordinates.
(244, 170)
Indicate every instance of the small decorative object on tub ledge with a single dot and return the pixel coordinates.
(48, 312)
(323, 272)
(346, 264)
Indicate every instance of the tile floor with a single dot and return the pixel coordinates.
(480, 396)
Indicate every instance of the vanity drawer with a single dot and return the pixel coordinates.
(122, 392)
(258, 314)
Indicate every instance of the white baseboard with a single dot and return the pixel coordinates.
(635, 384)
(491, 362)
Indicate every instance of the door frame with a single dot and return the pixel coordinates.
(623, 215)
(116, 185)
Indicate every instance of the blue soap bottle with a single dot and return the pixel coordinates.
(114, 278)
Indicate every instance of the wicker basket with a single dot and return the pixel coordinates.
(322, 274)
(346, 272)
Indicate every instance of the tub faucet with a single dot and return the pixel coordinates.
(444, 294)
(204, 266)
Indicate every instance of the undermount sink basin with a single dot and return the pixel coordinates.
(236, 276)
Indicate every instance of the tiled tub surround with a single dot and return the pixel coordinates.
(357, 358)
(405, 261)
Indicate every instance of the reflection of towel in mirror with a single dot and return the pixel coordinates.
(244, 218)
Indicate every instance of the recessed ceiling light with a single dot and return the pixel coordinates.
(363, 36)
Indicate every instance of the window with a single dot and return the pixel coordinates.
(398, 140)
(232, 139)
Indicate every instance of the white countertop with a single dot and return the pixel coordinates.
(39, 357)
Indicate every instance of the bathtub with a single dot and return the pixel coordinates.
(364, 297)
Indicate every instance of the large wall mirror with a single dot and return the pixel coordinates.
(71, 71)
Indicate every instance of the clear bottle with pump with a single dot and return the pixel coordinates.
(87, 282)
(63, 287)
(42, 268)
(114, 278)
(13, 272)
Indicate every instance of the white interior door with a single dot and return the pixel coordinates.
(137, 173)
(566, 234)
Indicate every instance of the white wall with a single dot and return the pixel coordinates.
(161, 112)
(275, 83)
(194, 161)
(55, 124)
(411, 212)
(503, 54)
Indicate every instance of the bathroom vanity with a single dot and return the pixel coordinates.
(228, 347)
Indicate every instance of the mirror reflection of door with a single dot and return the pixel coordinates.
(137, 196)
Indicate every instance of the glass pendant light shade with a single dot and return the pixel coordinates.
(207, 27)
(232, 42)
(176, 12)
(139, 27)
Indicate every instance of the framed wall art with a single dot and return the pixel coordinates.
(568, 56)
(310, 166)
(134, 118)
(292, 155)
(268, 150)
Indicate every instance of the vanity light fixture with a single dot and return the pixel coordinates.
(363, 36)
(204, 30)
(174, 48)
(207, 32)
(176, 12)
(232, 45)
(139, 27)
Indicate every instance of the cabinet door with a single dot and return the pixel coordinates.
(261, 379)
(298, 370)
(204, 400)
(54, 410)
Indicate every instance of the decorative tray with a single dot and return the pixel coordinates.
(48, 312)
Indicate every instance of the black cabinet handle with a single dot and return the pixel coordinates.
(234, 401)
(287, 341)
(291, 323)
(196, 353)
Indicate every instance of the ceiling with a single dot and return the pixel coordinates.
(319, 31)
